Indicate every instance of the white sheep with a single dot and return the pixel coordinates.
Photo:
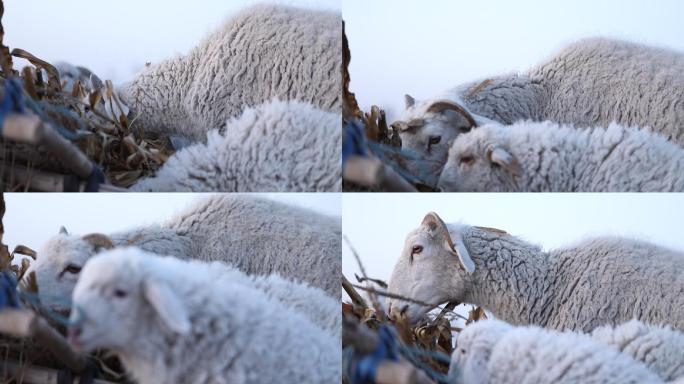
(599, 281)
(169, 324)
(491, 351)
(659, 347)
(264, 51)
(256, 235)
(590, 83)
(547, 157)
(277, 146)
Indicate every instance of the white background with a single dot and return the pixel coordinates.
(426, 47)
(376, 224)
(116, 38)
(30, 219)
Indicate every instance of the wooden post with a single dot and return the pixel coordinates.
(24, 323)
(36, 375)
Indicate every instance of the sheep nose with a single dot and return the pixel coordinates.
(74, 334)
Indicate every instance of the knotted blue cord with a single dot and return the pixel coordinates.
(13, 101)
(354, 143)
(8, 290)
(367, 366)
(389, 348)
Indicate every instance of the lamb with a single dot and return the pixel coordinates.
(255, 235)
(599, 281)
(592, 82)
(265, 51)
(547, 157)
(277, 146)
(168, 324)
(659, 347)
(491, 351)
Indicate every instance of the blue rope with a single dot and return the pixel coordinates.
(96, 178)
(389, 348)
(13, 101)
(354, 143)
(8, 290)
(367, 366)
(34, 300)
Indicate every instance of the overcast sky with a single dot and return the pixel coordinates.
(116, 38)
(426, 47)
(32, 218)
(377, 224)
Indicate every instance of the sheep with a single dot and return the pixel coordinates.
(592, 82)
(168, 324)
(491, 351)
(659, 347)
(256, 235)
(545, 156)
(599, 281)
(278, 146)
(264, 51)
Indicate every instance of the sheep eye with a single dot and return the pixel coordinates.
(120, 293)
(434, 140)
(466, 160)
(72, 268)
(465, 129)
(462, 351)
(416, 249)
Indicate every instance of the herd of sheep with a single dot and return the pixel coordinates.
(235, 289)
(602, 115)
(604, 310)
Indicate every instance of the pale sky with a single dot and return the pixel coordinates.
(427, 47)
(32, 218)
(116, 38)
(377, 224)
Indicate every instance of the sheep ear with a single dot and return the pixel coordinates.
(434, 224)
(63, 231)
(506, 160)
(99, 241)
(409, 101)
(167, 306)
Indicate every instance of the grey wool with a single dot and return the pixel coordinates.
(661, 348)
(547, 157)
(263, 52)
(598, 281)
(491, 351)
(592, 82)
(274, 147)
(169, 323)
(256, 235)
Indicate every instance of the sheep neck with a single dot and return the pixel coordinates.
(510, 278)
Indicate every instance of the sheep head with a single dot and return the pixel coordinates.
(118, 301)
(426, 129)
(59, 263)
(481, 162)
(434, 267)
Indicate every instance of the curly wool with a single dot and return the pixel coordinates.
(256, 235)
(491, 351)
(592, 82)
(275, 147)
(230, 332)
(659, 347)
(555, 158)
(263, 52)
(600, 281)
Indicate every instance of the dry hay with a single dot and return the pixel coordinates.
(89, 113)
